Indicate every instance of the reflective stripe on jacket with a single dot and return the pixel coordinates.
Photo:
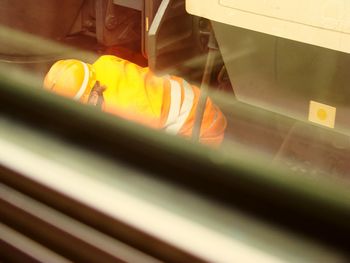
(168, 103)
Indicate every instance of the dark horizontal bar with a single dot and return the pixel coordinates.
(61, 234)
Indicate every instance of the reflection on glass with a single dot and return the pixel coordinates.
(271, 101)
(281, 100)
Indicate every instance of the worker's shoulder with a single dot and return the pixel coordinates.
(108, 59)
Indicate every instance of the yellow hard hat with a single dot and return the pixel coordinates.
(70, 78)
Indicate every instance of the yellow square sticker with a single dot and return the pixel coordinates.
(322, 114)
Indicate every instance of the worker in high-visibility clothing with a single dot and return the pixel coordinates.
(135, 93)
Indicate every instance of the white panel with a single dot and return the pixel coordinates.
(134, 4)
(324, 23)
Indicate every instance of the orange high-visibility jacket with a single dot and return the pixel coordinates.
(168, 103)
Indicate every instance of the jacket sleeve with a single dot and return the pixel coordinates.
(181, 111)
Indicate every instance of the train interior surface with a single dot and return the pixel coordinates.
(78, 184)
